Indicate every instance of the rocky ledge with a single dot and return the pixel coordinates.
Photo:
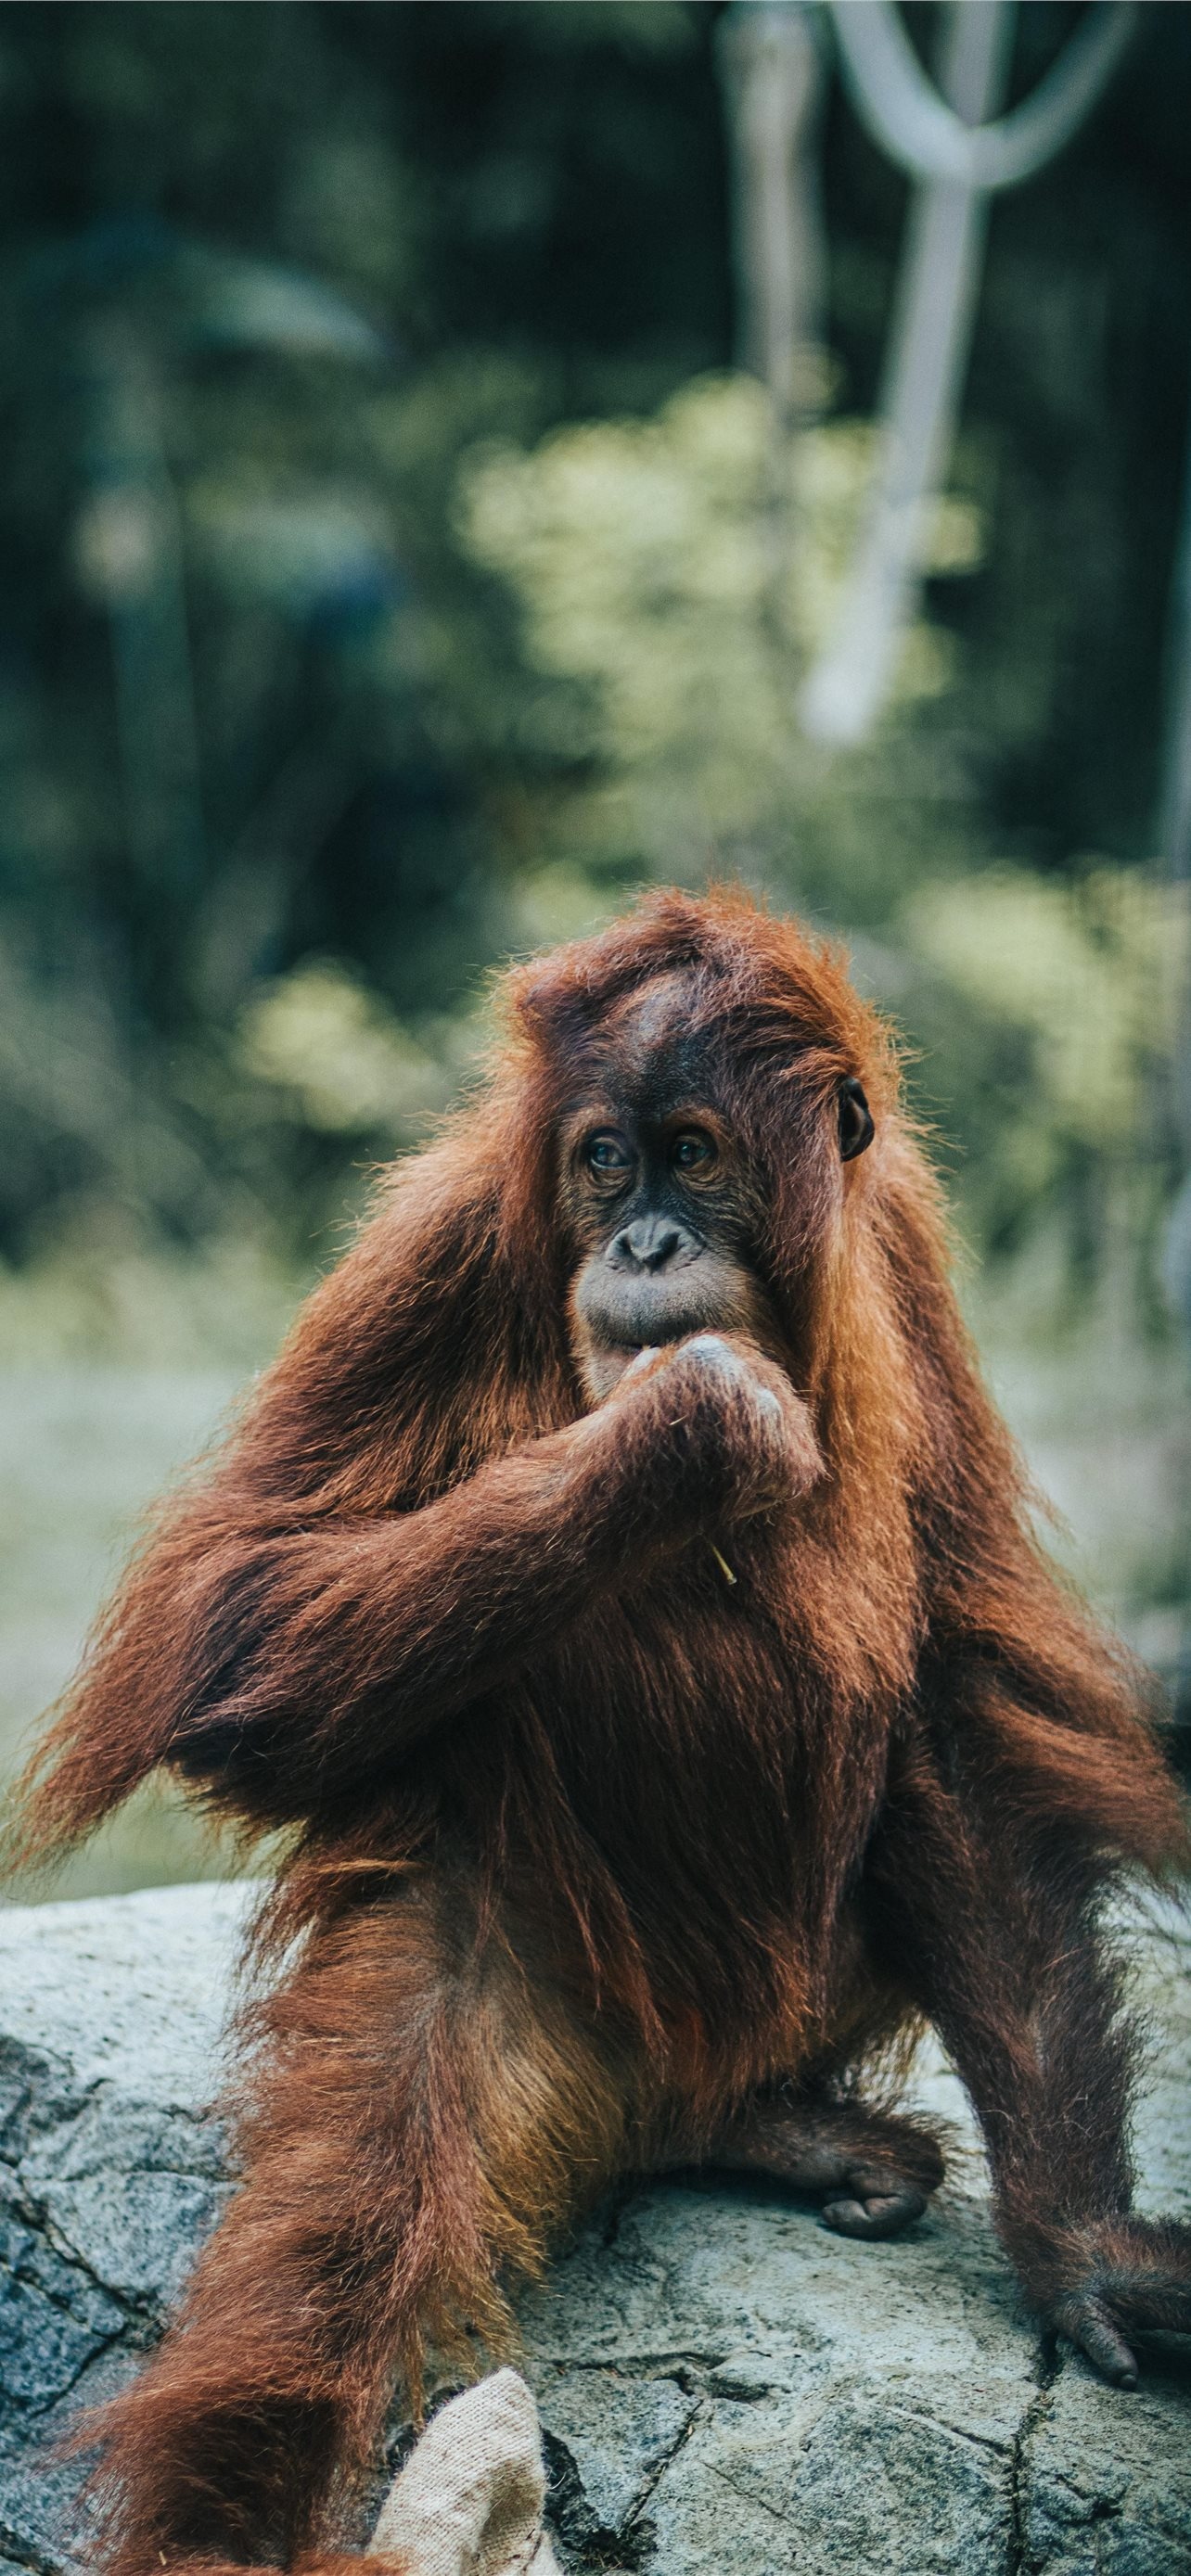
(726, 2390)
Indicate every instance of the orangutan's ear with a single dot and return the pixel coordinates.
(856, 1130)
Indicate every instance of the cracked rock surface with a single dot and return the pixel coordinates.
(725, 2389)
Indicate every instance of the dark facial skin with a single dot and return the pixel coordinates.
(661, 1205)
(663, 1216)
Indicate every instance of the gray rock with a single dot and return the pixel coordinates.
(1105, 2491)
(725, 2389)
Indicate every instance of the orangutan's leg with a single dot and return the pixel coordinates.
(872, 2168)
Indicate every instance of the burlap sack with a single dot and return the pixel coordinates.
(469, 2500)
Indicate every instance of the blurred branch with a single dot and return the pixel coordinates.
(129, 548)
(772, 76)
(771, 63)
(906, 116)
(245, 909)
(1174, 817)
(930, 339)
(1174, 844)
(960, 159)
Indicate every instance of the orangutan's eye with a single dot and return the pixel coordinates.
(607, 1152)
(693, 1151)
(856, 1130)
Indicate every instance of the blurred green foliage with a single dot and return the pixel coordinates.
(390, 583)
(643, 553)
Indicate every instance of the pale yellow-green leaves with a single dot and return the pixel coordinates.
(652, 563)
(1090, 973)
(322, 1036)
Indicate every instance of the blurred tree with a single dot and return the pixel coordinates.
(414, 268)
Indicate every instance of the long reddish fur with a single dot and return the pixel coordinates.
(541, 1896)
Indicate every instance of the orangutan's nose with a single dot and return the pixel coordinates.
(650, 1243)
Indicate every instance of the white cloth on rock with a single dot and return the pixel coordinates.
(469, 2500)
